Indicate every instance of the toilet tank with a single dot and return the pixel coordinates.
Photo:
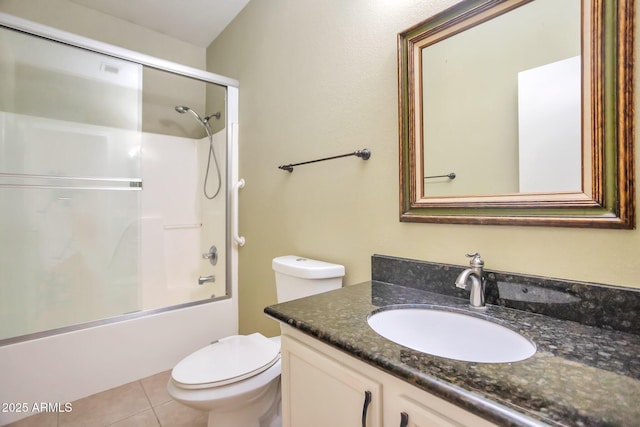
(298, 277)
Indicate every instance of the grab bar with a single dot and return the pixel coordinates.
(236, 235)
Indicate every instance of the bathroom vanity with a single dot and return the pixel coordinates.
(354, 393)
(336, 369)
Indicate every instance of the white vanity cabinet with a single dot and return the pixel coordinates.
(318, 391)
(322, 386)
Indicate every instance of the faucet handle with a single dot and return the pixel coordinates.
(476, 260)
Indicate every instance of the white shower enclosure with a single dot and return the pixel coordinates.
(103, 218)
(101, 187)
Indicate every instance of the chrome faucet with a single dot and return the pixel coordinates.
(202, 280)
(474, 273)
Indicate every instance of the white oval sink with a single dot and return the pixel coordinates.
(452, 335)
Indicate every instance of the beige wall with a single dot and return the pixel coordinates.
(318, 79)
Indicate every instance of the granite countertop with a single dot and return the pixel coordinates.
(580, 375)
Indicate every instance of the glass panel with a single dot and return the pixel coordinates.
(70, 182)
(179, 223)
(102, 187)
(47, 79)
(48, 147)
(66, 257)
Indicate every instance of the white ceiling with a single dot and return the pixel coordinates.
(197, 22)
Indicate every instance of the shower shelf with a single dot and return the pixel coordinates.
(182, 226)
(364, 154)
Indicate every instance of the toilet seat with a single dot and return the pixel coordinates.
(229, 360)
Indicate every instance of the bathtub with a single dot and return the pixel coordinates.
(68, 366)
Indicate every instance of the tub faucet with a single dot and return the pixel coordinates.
(474, 273)
(202, 280)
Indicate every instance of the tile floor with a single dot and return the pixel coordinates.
(143, 403)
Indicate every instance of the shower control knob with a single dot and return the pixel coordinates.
(212, 255)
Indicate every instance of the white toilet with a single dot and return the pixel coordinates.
(237, 378)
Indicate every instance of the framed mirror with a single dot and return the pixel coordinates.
(519, 112)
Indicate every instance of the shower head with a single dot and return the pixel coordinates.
(184, 109)
(212, 154)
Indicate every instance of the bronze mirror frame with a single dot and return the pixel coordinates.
(608, 196)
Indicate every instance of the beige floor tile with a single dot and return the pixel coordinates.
(156, 388)
(174, 414)
(106, 408)
(46, 419)
(143, 419)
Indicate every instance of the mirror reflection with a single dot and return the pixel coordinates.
(501, 104)
(519, 112)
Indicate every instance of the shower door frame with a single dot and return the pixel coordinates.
(231, 126)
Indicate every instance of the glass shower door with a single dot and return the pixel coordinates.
(70, 181)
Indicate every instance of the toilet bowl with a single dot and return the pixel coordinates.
(237, 379)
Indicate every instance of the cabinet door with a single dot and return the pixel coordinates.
(406, 412)
(317, 391)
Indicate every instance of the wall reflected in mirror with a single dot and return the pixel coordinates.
(501, 104)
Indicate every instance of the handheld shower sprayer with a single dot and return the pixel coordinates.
(182, 109)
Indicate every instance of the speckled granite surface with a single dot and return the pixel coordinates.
(605, 306)
(581, 375)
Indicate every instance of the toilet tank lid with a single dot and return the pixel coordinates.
(305, 268)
